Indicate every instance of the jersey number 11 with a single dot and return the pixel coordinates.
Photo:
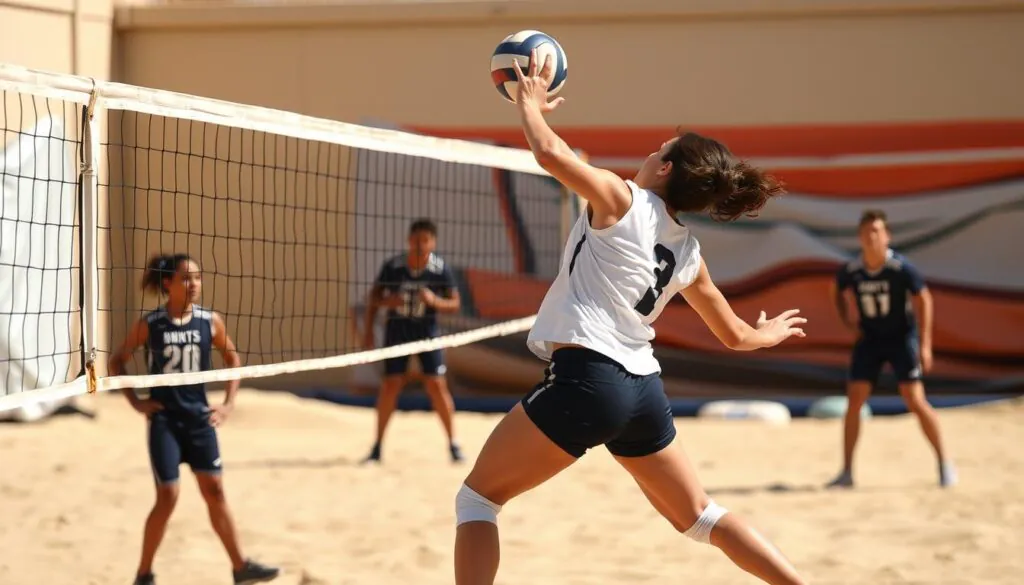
(874, 305)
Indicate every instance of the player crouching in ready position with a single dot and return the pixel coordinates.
(890, 296)
(414, 287)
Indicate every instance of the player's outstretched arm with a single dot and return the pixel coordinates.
(606, 192)
(733, 332)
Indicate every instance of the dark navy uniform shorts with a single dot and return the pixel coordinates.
(431, 362)
(588, 399)
(870, 355)
(176, 440)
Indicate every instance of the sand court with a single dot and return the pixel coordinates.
(74, 493)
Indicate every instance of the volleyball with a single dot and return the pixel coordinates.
(517, 47)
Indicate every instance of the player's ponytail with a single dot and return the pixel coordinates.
(706, 177)
(160, 267)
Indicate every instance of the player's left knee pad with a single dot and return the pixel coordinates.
(701, 529)
(472, 507)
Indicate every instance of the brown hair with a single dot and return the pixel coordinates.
(160, 268)
(423, 225)
(707, 177)
(873, 215)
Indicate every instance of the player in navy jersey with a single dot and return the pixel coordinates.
(178, 338)
(890, 297)
(414, 287)
(626, 257)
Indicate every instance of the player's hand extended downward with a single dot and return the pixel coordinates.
(781, 328)
(532, 88)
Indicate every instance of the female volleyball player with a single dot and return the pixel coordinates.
(626, 257)
(178, 338)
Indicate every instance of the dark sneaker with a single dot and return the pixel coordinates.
(146, 579)
(456, 452)
(253, 572)
(374, 456)
(843, 480)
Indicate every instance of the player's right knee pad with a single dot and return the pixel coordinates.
(472, 507)
(701, 529)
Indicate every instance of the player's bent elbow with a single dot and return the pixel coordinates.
(547, 157)
(733, 342)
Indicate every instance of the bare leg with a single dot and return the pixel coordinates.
(211, 486)
(914, 397)
(390, 388)
(442, 403)
(156, 524)
(517, 457)
(386, 403)
(668, 480)
(857, 393)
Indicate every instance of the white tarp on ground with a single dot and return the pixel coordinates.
(39, 318)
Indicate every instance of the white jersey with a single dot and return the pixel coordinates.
(614, 282)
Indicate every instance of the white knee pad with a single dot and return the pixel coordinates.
(472, 507)
(701, 529)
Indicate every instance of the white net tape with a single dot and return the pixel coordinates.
(104, 97)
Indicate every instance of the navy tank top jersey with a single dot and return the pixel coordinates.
(180, 346)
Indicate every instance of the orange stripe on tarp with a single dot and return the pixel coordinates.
(763, 141)
(966, 324)
(814, 141)
(754, 282)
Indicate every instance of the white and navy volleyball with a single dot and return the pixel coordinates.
(517, 47)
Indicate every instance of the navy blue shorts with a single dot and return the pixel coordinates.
(173, 441)
(871, 355)
(431, 362)
(588, 399)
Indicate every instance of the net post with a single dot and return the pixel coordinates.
(572, 203)
(90, 232)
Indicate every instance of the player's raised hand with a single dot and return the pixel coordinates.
(532, 88)
(780, 328)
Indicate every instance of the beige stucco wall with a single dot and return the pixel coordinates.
(632, 63)
(64, 36)
(697, 61)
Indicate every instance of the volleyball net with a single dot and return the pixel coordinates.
(290, 219)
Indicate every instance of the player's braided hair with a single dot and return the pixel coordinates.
(706, 177)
